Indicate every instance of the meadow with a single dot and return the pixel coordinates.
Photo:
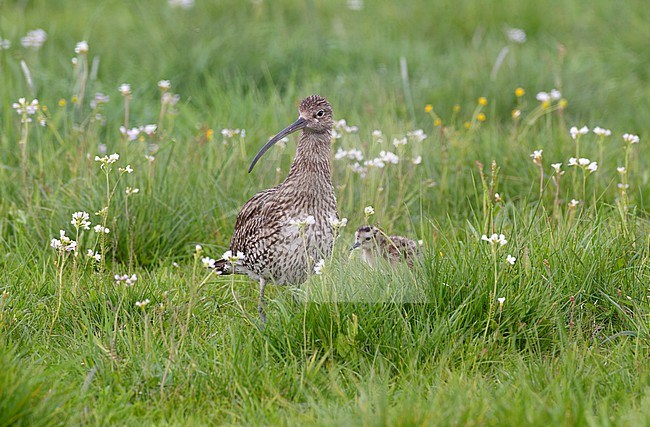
(509, 138)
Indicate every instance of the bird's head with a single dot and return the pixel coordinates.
(366, 237)
(314, 115)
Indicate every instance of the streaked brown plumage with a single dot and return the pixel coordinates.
(375, 244)
(275, 249)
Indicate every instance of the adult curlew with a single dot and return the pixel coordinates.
(284, 230)
(374, 244)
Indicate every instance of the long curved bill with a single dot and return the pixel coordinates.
(297, 125)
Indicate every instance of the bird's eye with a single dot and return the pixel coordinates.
(368, 238)
(320, 113)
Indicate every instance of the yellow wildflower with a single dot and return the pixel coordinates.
(480, 117)
(519, 92)
(437, 122)
(482, 101)
(456, 108)
(428, 108)
(62, 102)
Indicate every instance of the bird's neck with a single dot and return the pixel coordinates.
(312, 158)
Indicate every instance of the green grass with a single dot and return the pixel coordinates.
(569, 345)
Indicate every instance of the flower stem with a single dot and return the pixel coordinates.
(60, 298)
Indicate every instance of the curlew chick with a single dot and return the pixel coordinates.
(284, 230)
(374, 243)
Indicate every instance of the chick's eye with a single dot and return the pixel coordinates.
(368, 238)
(320, 113)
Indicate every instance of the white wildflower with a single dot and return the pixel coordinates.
(621, 170)
(81, 48)
(149, 129)
(209, 262)
(172, 99)
(26, 109)
(632, 139)
(573, 203)
(318, 268)
(81, 220)
(556, 167)
(352, 154)
(510, 259)
(537, 156)
(34, 39)
(388, 157)
(575, 132)
(399, 141)
(131, 134)
(338, 223)
(101, 229)
(375, 163)
(342, 125)
(130, 191)
(228, 256)
(231, 133)
(302, 223)
(495, 238)
(125, 89)
(56, 244)
(369, 210)
(340, 154)
(355, 154)
(63, 243)
(602, 132)
(593, 167)
(107, 160)
(516, 35)
(142, 304)
(94, 255)
(416, 160)
(357, 168)
(99, 99)
(4, 44)
(127, 169)
(355, 5)
(183, 4)
(543, 97)
(126, 279)
(164, 85)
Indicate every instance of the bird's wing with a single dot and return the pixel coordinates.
(256, 221)
(401, 248)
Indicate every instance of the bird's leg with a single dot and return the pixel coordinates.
(260, 303)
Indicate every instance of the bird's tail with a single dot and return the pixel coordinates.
(223, 267)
